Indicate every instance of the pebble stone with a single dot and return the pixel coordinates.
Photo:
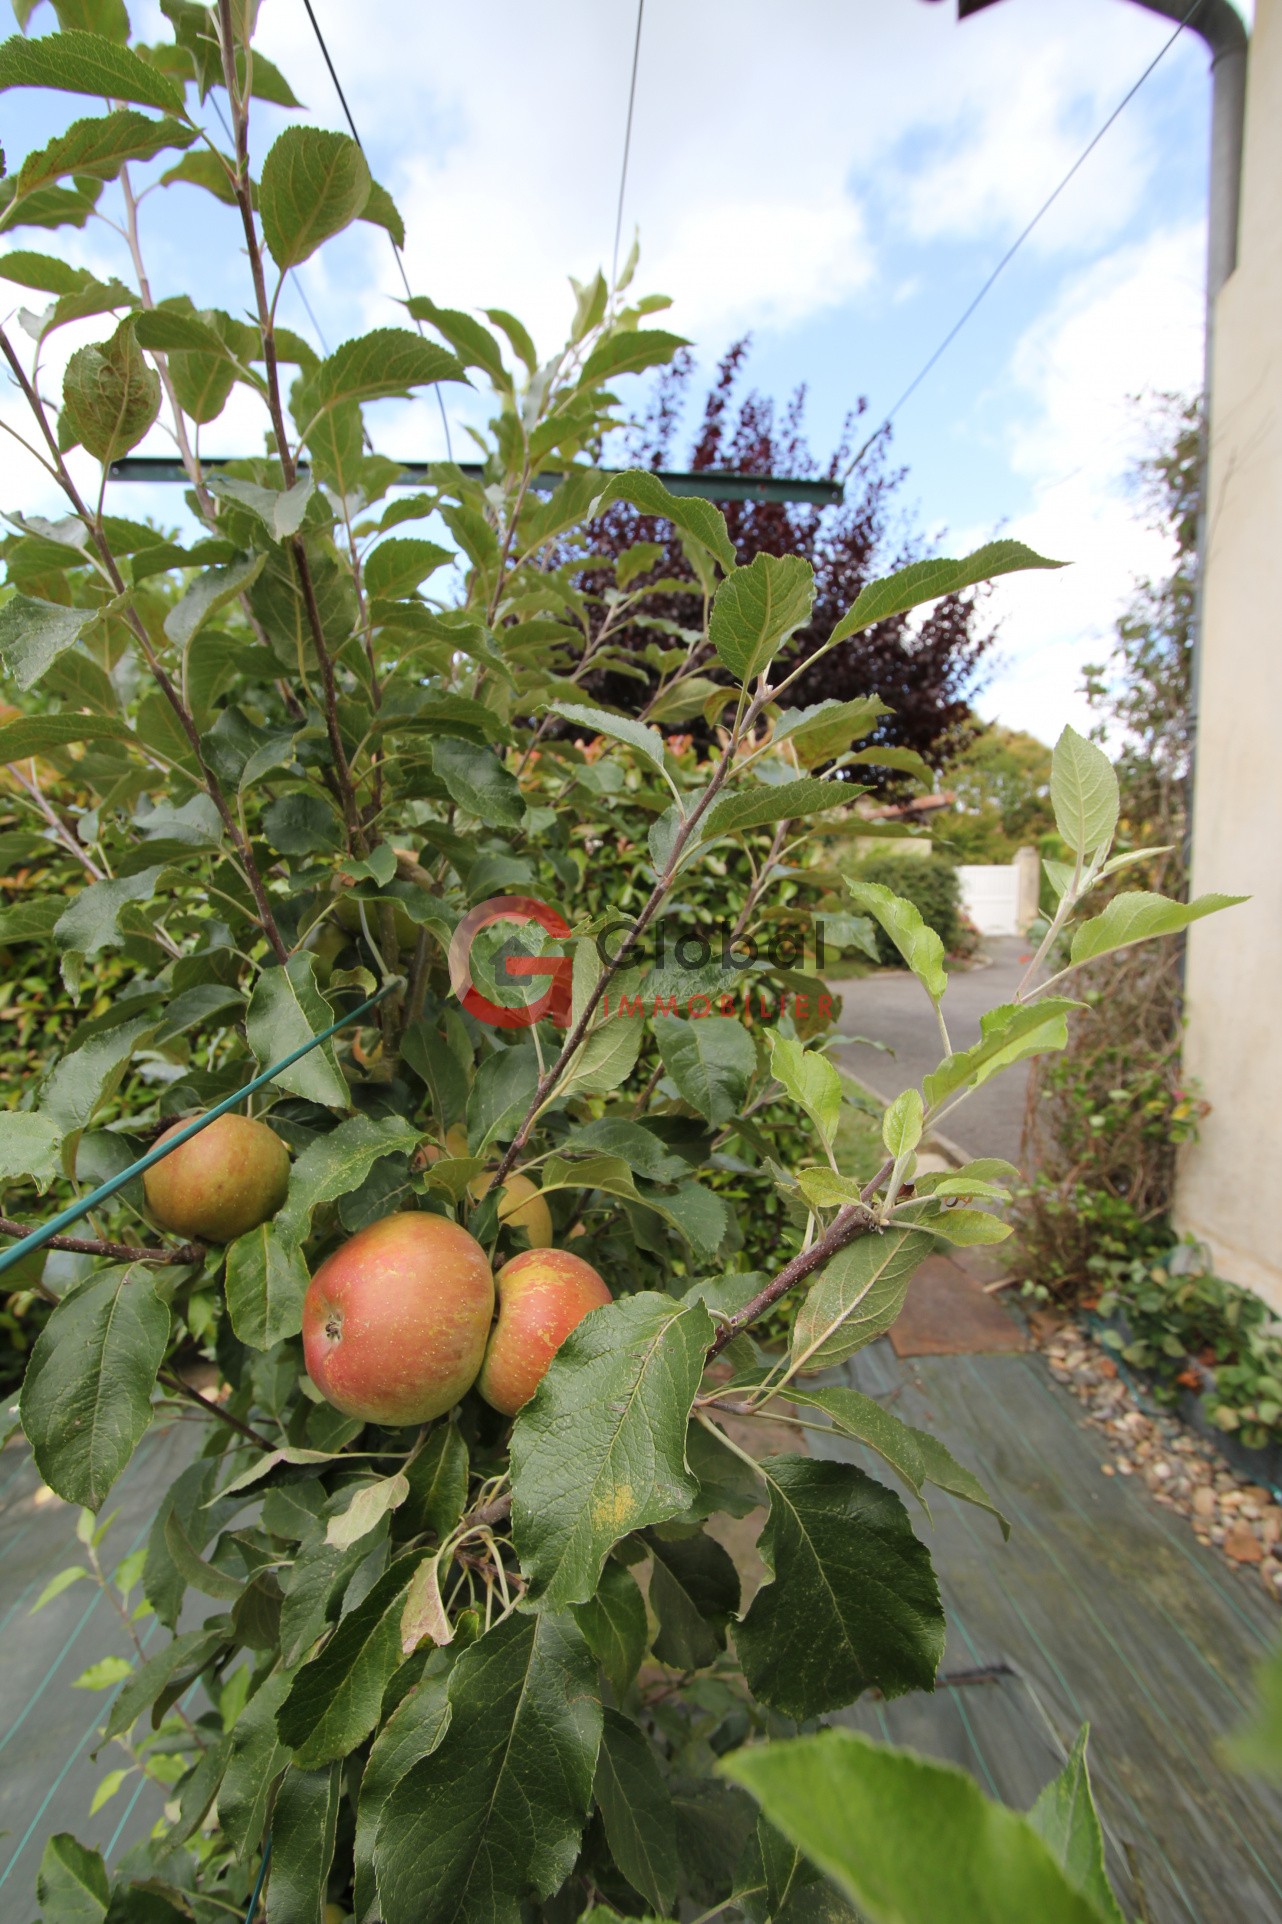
(1181, 1470)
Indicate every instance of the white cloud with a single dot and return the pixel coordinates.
(762, 138)
(1131, 327)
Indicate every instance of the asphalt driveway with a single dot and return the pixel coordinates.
(892, 1008)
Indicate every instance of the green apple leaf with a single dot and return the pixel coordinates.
(641, 489)
(636, 1809)
(1006, 1034)
(86, 63)
(757, 609)
(614, 1624)
(908, 1841)
(285, 1011)
(710, 1058)
(853, 1603)
(334, 1701)
(919, 945)
(600, 1449)
(810, 1079)
(923, 581)
(492, 1817)
(1138, 917)
(86, 1398)
(314, 183)
(304, 1827)
(1066, 1820)
(1084, 794)
(856, 1297)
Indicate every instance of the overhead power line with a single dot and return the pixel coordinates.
(1018, 242)
(400, 264)
(627, 145)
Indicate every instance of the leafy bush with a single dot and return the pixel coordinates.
(1189, 1330)
(930, 883)
(458, 1667)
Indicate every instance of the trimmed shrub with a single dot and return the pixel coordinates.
(930, 883)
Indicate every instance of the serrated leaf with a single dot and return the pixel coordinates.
(606, 1057)
(964, 1226)
(86, 1399)
(285, 1011)
(1139, 917)
(29, 1146)
(710, 1058)
(853, 1603)
(100, 147)
(91, 920)
(826, 1190)
(86, 63)
(266, 1282)
(628, 352)
(856, 1297)
(334, 1700)
(636, 1809)
(901, 1125)
(413, 1731)
(1084, 794)
(923, 581)
(634, 1144)
(1065, 1818)
(370, 1503)
(314, 183)
(908, 1841)
(641, 489)
(600, 1449)
(1006, 1034)
(478, 781)
(614, 1624)
(694, 1592)
(826, 729)
(32, 636)
(204, 1577)
(85, 1078)
(389, 361)
(338, 1163)
(757, 608)
(256, 1760)
(810, 1079)
(775, 802)
(110, 395)
(71, 1884)
(207, 594)
(648, 742)
(494, 1814)
(919, 945)
(304, 1825)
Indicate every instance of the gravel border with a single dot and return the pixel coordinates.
(1180, 1469)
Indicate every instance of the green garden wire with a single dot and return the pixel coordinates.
(75, 1211)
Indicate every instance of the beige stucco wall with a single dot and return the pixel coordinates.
(1230, 1188)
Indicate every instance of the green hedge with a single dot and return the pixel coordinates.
(930, 883)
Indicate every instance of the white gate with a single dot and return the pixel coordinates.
(990, 896)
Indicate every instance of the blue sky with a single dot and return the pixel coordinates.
(836, 177)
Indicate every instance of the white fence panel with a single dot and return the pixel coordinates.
(990, 896)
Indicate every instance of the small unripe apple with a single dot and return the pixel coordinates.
(543, 1295)
(520, 1207)
(455, 1144)
(226, 1180)
(395, 1321)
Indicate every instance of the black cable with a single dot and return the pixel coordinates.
(627, 147)
(347, 113)
(1016, 244)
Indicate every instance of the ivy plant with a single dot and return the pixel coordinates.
(464, 1670)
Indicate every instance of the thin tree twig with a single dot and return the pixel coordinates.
(118, 1252)
(176, 1383)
